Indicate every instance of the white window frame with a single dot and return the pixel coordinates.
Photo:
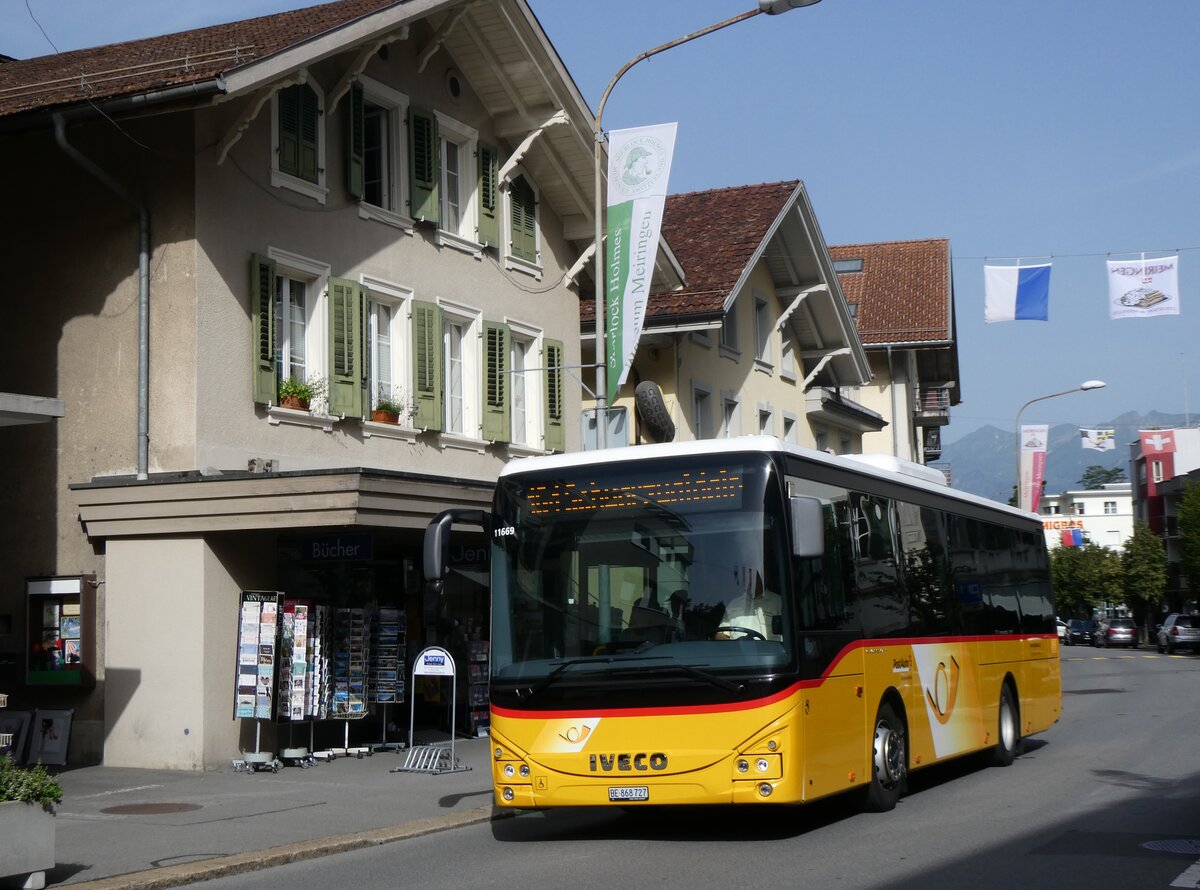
(319, 190)
(533, 377)
(702, 411)
(731, 414)
(315, 274)
(791, 428)
(1110, 508)
(472, 321)
(787, 356)
(1077, 508)
(516, 263)
(399, 299)
(820, 437)
(729, 334)
(762, 334)
(1156, 467)
(395, 103)
(467, 140)
(766, 419)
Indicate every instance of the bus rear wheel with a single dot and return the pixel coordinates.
(889, 761)
(1008, 729)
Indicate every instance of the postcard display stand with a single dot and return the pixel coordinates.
(258, 633)
(300, 662)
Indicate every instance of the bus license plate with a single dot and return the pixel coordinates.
(629, 792)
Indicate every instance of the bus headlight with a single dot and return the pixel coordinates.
(764, 790)
(509, 794)
(762, 765)
(509, 771)
(743, 766)
(524, 771)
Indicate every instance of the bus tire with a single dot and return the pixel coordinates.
(1008, 728)
(651, 408)
(889, 761)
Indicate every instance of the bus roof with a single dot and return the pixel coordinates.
(879, 466)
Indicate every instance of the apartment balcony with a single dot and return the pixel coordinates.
(832, 407)
(931, 442)
(931, 407)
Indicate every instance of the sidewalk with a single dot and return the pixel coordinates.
(158, 828)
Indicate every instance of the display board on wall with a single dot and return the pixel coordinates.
(258, 636)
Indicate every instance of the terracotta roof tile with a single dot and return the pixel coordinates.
(713, 235)
(902, 292)
(156, 63)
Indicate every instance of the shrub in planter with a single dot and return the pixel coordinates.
(300, 394)
(27, 799)
(32, 785)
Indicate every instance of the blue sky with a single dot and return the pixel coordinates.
(1068, 129)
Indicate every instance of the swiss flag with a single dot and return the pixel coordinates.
(1157, 441)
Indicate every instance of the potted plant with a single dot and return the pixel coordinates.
(388, 408)
(27, 799)
(295, 394)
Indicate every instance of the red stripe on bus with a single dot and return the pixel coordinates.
(727, 707)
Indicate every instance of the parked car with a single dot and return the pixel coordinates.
(1062, 631)
(1080, 631)
(1116, 632)
(1179, 632)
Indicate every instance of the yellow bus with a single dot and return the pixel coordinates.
(746, 621)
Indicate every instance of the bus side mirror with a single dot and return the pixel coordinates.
(437, 541)
(808, 527)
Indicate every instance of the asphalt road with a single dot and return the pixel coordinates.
(1109, 797)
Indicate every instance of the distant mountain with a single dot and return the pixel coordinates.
(985, 462)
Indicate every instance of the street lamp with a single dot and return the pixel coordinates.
(770, 7)
(1083, 387)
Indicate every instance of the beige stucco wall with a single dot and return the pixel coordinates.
(890, 395)
(171, 632)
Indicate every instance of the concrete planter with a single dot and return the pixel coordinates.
(28, 845)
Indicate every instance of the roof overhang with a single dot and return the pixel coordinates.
(195, 504)
(797, 259)
(18, 410)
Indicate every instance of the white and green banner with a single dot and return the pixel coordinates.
(639, 163)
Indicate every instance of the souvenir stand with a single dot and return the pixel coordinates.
(477, 689)
(387, 670)
(303, 675)
(258, 635)
(351, 656)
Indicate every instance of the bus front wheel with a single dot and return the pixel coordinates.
(1008, 729)
(889, 761)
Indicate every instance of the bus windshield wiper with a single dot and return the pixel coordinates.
(693, 671)
(553, 676)
(689, 669)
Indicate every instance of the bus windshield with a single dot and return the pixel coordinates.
(617, 572)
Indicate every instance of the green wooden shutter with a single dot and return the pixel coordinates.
(289, 130)
(356, 138)
(262, 311)
(552, 361)
(497, 402)
(427, 365)
(309, 139)
(489, 218)
(423, 165)
(524, 219)
(346, 360)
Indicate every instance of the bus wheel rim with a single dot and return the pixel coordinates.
(889, 754)
(1008, 724)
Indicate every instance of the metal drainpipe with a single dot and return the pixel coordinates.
(895, 417)
(143, 421)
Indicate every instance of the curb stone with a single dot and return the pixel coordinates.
(254, 860)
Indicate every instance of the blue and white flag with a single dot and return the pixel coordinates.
(1016, 293)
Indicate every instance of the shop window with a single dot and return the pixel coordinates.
(61, 643)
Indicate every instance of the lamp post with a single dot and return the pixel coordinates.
(770, 7)
(1083, 387)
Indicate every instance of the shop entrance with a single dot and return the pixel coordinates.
(374, 617)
